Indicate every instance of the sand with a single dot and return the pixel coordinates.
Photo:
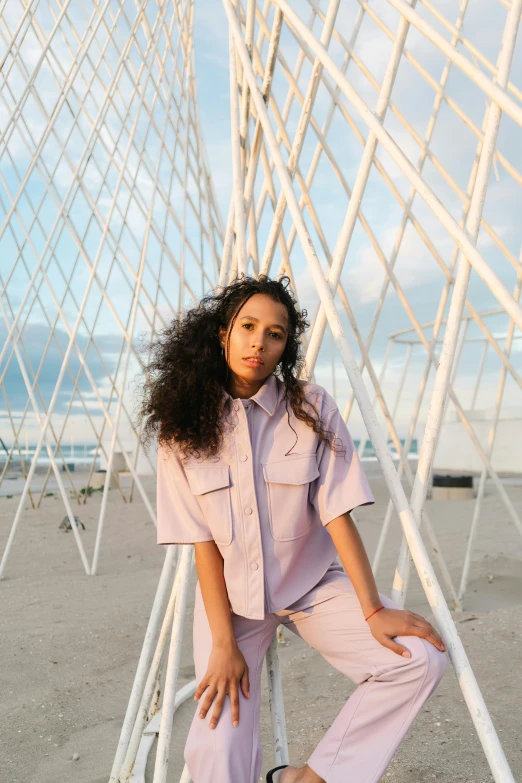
(69, 645)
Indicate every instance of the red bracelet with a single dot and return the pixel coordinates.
(371, 615)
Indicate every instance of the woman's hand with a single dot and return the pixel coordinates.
(388, 623)
(226, 669)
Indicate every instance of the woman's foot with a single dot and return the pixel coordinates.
(299, 775)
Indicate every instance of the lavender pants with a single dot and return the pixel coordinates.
(363, 738)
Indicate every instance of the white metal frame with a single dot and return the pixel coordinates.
(246, 67)
(404, 337)
(133, 133)
(138, 194)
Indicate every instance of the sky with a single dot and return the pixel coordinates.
(454, 148)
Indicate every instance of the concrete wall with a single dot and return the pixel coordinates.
(456, 452)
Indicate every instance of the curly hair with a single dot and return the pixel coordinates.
(185, 376)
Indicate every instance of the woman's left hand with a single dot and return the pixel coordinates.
(388, 623)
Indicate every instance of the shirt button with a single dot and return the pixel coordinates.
(243, 457)
(248, 510)
(254, 566)
(236, 406)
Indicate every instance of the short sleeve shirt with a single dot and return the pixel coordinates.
(266, 498)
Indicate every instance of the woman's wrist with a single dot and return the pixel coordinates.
(224, 642)
(369, 605)
(374, 612)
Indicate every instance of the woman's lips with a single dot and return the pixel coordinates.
(253, 363)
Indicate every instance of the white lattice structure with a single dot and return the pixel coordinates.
(108, 226)
(282, 77)
(482, 437)
(340, 113)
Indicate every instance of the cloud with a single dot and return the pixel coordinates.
(35, 338)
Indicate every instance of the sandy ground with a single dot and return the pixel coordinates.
(69, 645)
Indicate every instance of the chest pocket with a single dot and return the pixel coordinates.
(211, 485)
(287, 484)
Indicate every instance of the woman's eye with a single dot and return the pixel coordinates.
(279, 336)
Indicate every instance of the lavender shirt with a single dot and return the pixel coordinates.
(266, 499)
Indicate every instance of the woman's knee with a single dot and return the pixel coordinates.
(425, 656)
(429, 661)
(438, 663)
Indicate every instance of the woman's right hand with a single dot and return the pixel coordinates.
(226, 671)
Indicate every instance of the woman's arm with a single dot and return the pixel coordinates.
(387, 623)
(227, 669)
(209, 564)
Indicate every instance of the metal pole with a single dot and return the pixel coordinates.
(449, 344)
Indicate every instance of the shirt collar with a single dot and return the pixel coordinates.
(267, 396)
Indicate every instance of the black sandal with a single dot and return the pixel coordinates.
(273, 775)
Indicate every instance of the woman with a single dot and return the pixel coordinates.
(258, 471)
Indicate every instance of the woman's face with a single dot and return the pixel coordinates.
(260, 330)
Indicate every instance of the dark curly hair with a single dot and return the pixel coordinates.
(182, 386)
